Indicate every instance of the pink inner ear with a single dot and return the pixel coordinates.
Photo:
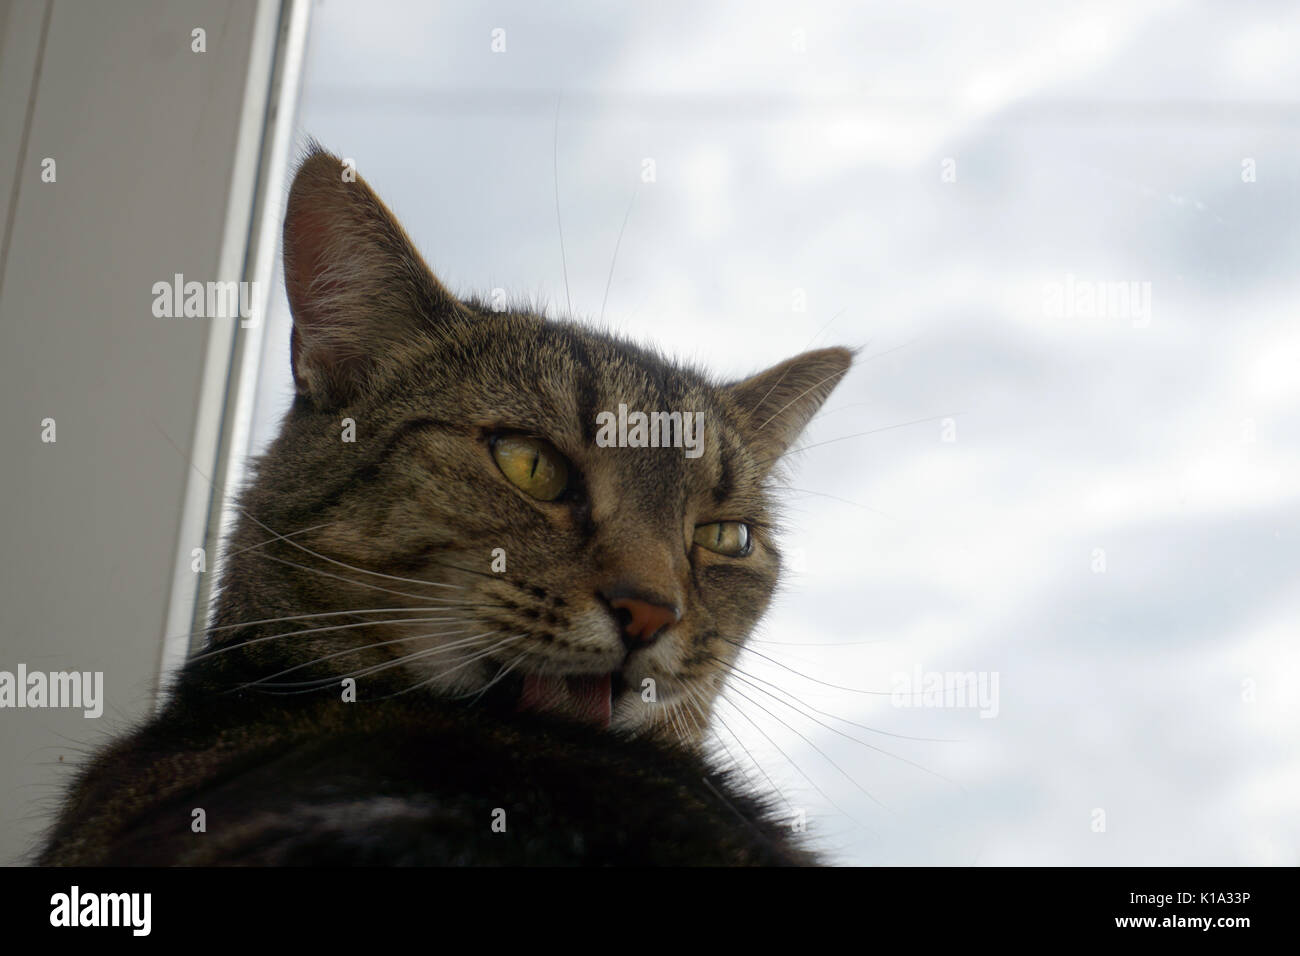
(306, 234)
(356, 286)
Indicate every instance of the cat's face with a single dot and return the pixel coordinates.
(503, 490)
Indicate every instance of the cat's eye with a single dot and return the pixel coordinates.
(532, 465)
(725, 537)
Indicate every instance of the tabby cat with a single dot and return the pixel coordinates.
(476, 633)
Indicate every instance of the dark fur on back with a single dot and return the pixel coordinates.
(406, 561)
(405, 782)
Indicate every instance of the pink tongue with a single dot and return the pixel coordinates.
(586, 697)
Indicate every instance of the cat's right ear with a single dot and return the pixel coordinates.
(775, 405)
(360, 294)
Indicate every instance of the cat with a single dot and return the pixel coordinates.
(472, 634)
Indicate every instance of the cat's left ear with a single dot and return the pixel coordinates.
(775, 405)
(360, 294)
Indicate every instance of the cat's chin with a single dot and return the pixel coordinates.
(588, 698)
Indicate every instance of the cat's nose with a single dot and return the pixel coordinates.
(641, 620)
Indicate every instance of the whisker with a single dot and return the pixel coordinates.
(278, 537)
(780, 378)
(825, 796)
(799, 396)
(872, 431)
(226, 496)
(380, 574)
(555, 170)
(358, 649)
(859, 362)
(491, 650)
(373, 669)
(352, 567)
(755, 640)
(265, 682)
(610, 280)
(869, 795)
(320, 630)
(886, 733)
(671, 712)
(743, 819)
(829, 323)
(853, 690)
(318, 614)
(771, 783)
(505, 669)
(336, 577)
(847, 501)
(689, 711)
(910, 763)
(443, 563)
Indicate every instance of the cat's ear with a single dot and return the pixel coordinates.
(775, 405)
(359, 292)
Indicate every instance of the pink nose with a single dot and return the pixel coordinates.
(645, 619)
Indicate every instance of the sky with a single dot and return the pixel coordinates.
(1067, 460)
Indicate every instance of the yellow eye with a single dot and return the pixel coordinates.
(532, 465)
(725, 537)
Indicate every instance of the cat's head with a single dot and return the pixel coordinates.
(508, 502)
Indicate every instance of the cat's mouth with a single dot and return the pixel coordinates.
(585, 697)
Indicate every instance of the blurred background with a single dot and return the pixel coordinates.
(1067, 460)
